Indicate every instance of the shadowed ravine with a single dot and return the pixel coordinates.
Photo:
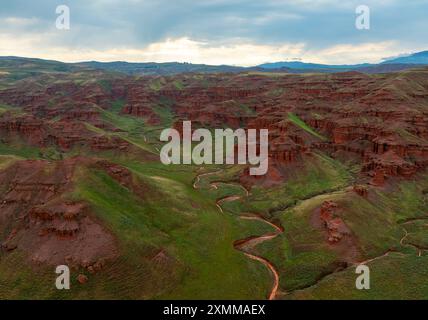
(243, 245)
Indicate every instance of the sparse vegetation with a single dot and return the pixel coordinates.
(301, 124)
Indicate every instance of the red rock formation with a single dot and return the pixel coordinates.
(335, 226)
(46, 226)
(361, 190)
(82, 279)
(379, 177)
(362, 115)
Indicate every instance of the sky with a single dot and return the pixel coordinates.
(233, 32)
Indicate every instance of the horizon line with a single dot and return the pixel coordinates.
(213, 65)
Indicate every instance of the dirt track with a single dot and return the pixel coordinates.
(244, 245)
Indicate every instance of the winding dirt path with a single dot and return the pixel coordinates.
(243, 245)
(246, 244)
(215, 186)
(198, 177)
(403, 243)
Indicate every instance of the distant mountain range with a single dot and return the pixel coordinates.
(18, 68)
(297, 65)
(415, 58)
(388, 65)
(161, 68)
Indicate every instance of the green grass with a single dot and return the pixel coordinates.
(409, 137)
(157, 84)
(165, 114)
(245, 109)
(97, 130)
(161, 212)
(6, 161)
(13, 110)
(3, 109)
(276, 92)
(392, 277)
(302, 257)
(190, 229)
(178, 85)
(418, 234)
(105, 84)
(297, 266)
(135, 131)
(319, 174)
(117, 105)
(301, 124)
(20, 149)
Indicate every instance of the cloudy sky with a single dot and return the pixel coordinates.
(236, 32)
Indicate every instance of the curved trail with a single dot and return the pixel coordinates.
(248, 243)
(403, 243)
(215, 186)
(198, 177)
(244, 245)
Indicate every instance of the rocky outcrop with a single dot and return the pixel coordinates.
(40, 222)
(336, 228)
(82, 279)
(378, 177)
(361, 190)
(373, 119)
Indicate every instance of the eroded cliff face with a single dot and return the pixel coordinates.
(379, 123)
(38, 217)
(380, 120)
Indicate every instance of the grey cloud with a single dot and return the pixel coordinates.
(103, 24)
